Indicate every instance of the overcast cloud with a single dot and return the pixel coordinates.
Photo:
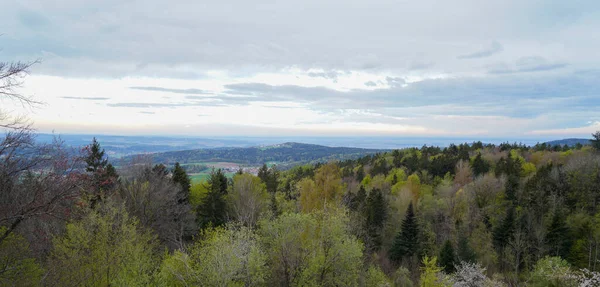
(466, 67)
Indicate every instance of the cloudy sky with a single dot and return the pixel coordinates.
(523, 68)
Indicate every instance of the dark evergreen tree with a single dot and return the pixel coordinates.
(376, 214)
(447, 257)
(95, 157)
(394, 179)
(503, 233)
(465, 252)
(181, 178)
(397, 158)
(263, 173)
(213, 209)
(596, 141)
(480, 166)
(103, 174)
(558, 236)
(406, 243)
(511, 187)
(360, 174)
(357, 202)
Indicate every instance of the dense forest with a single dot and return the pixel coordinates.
(285, 154)
(463, 215)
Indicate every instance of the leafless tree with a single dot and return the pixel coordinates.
(150, 195)
(36, 181)
(12, 75)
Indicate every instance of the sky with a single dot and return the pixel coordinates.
(463, 68)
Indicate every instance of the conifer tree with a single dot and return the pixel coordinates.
(95, 157)
(447, 257)
(465, 252)
(181, 178)
(406, 243)
(480, 166)
(558, 236)
(596, 141)
(213, 209)
(503, 233)
(376, 214)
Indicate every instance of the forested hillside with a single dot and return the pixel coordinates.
(466, 215)
(283, 154)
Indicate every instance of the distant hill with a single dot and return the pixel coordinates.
(569, 142)
(282, 154)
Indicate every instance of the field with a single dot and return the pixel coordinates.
(229, 168)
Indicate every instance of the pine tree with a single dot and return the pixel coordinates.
(263, 173)
(213, 209)
(503, 233)
(596, 141)
(181, 178)
(447, 257)
(376, 214)
(465, 252)
(95, 157)
(397, 158)
(357, 202)
(480, 166)
(406, 243)
(558, 236)
(511, 187)
(360, 174)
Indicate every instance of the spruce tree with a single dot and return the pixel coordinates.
(406, 243)
(447, 257)
(558, 237)
(596, 141)
(376, 214)
(213, 209)
(181, 178)
(503, 233)
(95, 157)
(480, 166)
(465, 252)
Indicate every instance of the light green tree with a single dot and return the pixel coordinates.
(552, 272)
(225, 256)
(104, 248)
(248, 199)
(17, 268)
(312, 249)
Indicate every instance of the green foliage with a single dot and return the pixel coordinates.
(552, 272)
(213, 209)
(406, 243)
(376, 278)
(181, 178)
(248, 199)
(596, 141)
(225, 256)
(447, 257)
(479, 165)
(432, 275)
(17, 267)
(376, 214)
(104, 248)
(311, 249)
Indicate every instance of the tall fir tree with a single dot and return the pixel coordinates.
(448, 257)
(376, 214)
(558, 237)
(596, 141)
(181, 178)
(480, 166)
(406, 243)
(503, 233)
(95, 157)
(465, 252)
(213, 209)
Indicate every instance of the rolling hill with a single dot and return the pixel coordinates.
(569, 142)
(289, 153)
